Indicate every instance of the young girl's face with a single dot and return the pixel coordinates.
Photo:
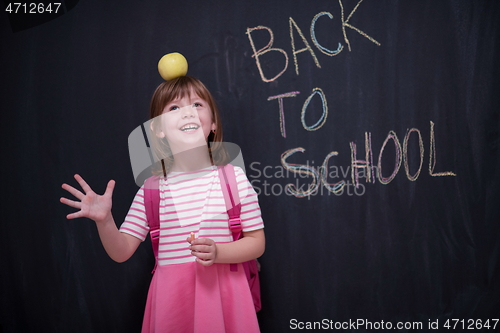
(186, 122)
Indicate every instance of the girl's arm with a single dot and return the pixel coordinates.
(119, 246)
(251, 246)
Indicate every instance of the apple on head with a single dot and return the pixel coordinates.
(172, 65)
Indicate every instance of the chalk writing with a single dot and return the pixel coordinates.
(432, 157)
(391, 136)
(359, 167)
(317, 125)
(300, 169)
(405, 153)
(346, 24)
(307, 47)
(315, 41)
(334, 187)
(322, 120)
(306, 170)
(264, 50)
(282, 112)
(366, 164)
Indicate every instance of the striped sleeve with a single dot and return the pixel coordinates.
(136, 223)
(251, 218)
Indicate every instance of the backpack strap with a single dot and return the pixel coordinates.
(152, 205)
(232, 199)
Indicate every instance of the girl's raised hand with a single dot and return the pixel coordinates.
(204, 249)
(91, 205)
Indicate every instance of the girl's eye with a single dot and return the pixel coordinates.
(197, 105)
(173, 108)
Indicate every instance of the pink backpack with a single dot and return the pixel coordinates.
(231, 197)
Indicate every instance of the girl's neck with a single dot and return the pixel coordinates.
(191, 160)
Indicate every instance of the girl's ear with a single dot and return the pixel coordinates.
(214, 127)
(159, 133)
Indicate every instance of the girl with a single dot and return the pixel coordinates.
(193, 288)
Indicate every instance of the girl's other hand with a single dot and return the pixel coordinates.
(91, 205)
(204, 249)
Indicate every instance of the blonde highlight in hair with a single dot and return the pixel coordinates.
(168, 91)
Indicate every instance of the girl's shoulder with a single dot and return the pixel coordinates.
(239, 173)
(238, 170)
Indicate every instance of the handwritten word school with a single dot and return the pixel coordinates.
(366, 165)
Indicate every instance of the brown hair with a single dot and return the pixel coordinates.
(178, 88)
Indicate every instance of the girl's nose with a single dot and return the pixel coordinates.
(188, 112)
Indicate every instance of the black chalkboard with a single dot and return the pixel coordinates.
(403, 93)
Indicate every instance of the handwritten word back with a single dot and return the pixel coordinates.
(295, 29)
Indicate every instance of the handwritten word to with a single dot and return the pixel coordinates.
(314, 127)
(365, 166)
(295, 29)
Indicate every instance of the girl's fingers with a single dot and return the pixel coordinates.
(71, 203)
(203, 255)
(204, 250)
(74, 215)
(77, 194)
(110, 188)
(204, 262)
(203, 241)
(85, 187)
(201, 248)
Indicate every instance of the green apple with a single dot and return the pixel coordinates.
(172, 65)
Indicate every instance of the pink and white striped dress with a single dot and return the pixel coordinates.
(185, 296)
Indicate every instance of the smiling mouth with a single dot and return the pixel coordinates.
(190, 127)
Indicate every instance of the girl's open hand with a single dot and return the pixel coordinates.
(91, 205)
(204, 249)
